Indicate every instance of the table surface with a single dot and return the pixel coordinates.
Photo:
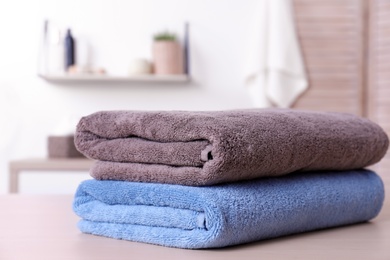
(52, 163)
(44, 227)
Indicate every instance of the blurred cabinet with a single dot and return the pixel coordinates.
(50, 165)
(378, 104)
(346, 48)
(332, 38)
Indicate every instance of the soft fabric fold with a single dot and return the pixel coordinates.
(227, 214)
(204, 148)
(274, 68)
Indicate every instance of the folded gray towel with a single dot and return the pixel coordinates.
(204, 148)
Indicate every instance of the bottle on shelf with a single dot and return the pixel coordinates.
(70, 48)
(51, 50)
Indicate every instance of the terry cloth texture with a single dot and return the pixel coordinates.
(204, 148)
(227, 214)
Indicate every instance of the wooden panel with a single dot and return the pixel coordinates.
(379, 68)
(346, 48)
(331, 38)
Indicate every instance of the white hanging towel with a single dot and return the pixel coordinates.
(274, 70)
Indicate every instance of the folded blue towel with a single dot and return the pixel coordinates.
(228, 214)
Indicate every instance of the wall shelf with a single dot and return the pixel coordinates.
(109, 78)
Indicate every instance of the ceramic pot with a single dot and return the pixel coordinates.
(140, 67)
(167, 58)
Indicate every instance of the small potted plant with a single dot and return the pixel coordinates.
(167, 54)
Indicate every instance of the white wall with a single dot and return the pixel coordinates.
(118, 31)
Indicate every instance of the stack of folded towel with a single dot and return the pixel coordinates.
(221, 178)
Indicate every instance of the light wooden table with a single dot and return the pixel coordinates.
(44, 227)
(54, 165)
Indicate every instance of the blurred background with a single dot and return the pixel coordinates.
(109, 60)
